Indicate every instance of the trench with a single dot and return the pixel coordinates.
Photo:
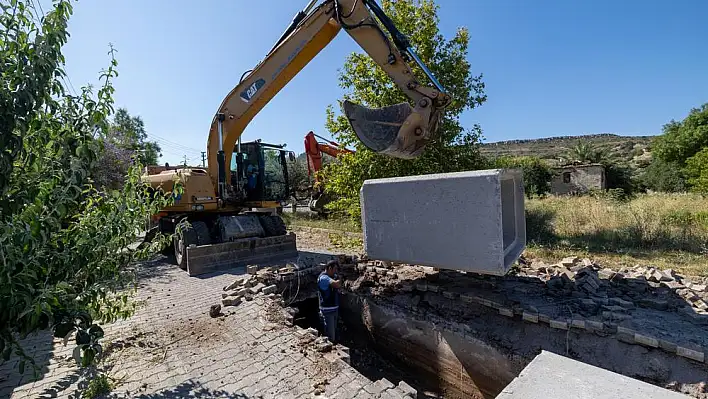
(446, 349)
(366, 356)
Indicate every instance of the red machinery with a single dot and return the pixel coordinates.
(314, 151)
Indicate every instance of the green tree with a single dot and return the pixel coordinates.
(129, 133)
(63, 245)
(682, 140)
(697, 171)
(619, 175)
(663, 176)
(585, 152)
(298, 178)
(123, 142)
(537, 173)
(454, 149)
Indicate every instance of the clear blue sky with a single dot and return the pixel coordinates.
(552, 67)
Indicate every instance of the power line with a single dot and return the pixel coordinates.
(177, 148)
(173, 144)
(71, 85)
(39, 3)
(156, 137)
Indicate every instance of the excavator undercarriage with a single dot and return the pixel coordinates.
(226, 241)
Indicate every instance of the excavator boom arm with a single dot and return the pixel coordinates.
(400, 130)
(315, 149)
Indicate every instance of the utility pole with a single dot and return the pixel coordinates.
(185, 161)
(203, 159)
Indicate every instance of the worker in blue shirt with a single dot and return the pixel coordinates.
(328, 292)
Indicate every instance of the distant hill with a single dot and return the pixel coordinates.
(634, 149)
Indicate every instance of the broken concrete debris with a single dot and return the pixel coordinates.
(322, 344)
(235, 301)
(256, 288)
(215, 310)
(569, 261)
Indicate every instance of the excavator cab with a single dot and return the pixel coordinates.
(259, 171)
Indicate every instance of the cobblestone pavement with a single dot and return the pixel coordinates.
(172, 348)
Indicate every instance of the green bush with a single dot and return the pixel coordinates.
(697, 171)
(64, 245)
(682, 140)
(620, 176)
(537, 173)
(663, 176)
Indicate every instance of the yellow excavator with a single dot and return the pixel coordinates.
(226, 212)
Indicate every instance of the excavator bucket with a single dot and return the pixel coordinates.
(397, 130)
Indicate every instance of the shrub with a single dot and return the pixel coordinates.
(697, 171)
(663, 176)
(537, 173)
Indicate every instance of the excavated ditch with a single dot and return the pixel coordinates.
(458, 335)
(365, 355)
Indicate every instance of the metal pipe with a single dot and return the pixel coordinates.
(425, 69)
(220, 157)
(293, 25)
(220, 127)
(238, 145)
(309, 6)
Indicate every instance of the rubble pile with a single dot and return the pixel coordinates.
(277, 281)
(615, 292)
(248, 286)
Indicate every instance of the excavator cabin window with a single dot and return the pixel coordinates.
(262, 174)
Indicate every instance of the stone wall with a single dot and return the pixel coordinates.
(578, 179)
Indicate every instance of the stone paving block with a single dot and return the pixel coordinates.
(646, 341)
(471, 221)
(530, 317)
(256, 288)
(698, 356)
(559, 324)
(392, 394)
(578, 323)
(667, 346)
(626, 330)
(593, 325)
(450, 295)
(506, 312)
(407, 389)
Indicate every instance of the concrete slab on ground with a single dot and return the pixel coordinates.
(472, 221)
(551, 376)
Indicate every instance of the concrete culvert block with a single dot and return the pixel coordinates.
(472, 221)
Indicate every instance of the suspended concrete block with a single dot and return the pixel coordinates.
(472, 221)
